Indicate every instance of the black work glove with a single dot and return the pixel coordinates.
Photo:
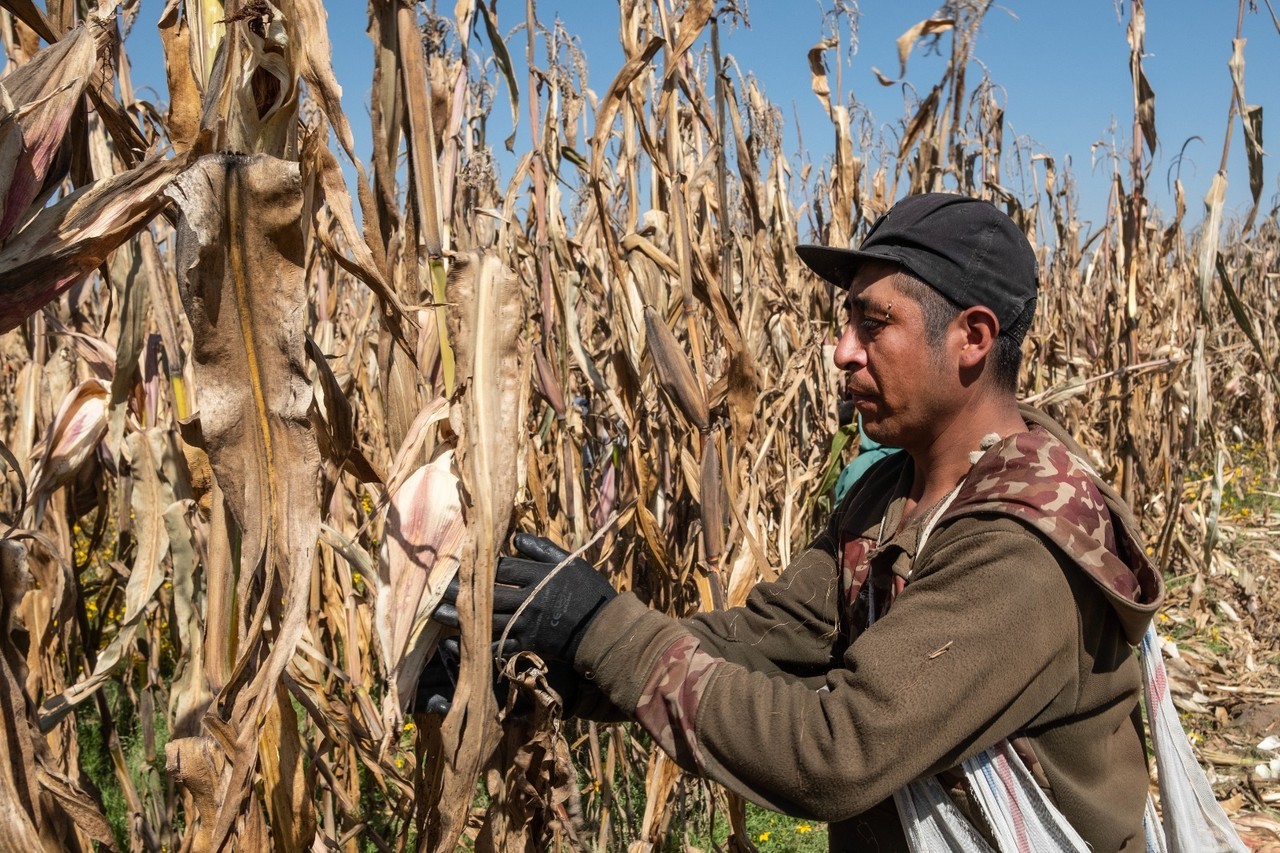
(439, 679)
(556, 618)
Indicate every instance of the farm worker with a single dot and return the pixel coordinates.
(874, 660)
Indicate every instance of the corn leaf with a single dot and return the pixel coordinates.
(1251, 119)
(1246, 325)
(240, 275)
(503, 60)
(818, 81)
(19, 780)
(251, 98)
(184, 89)
(69, 239)
(1144, 97)
(907, 41)
(36, 105)
(1210, 238)
(151, 497)
(693, 20)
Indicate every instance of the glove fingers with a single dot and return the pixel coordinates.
(434, 693)
(451, 592)
(435, 679)
(443, 667)
(539, 548)
(450, 650)
(449, 653)
(507, 598)
(513, 571)
(446, 614)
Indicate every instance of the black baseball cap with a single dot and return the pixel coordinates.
(964, 248)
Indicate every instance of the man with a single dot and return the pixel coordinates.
(983, 585)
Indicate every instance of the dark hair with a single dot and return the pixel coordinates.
(938, 312)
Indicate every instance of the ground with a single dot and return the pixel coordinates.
(1225, 626)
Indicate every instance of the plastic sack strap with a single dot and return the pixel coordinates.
(932, 822)
(1016, 807)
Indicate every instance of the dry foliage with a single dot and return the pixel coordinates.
(248, 439)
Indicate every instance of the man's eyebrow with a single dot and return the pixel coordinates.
(867, 306)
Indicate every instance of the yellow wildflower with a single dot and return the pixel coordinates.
(764, 836)
(804, 827)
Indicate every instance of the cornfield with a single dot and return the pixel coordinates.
(248, 435)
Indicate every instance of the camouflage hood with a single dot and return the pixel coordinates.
(1041, 478)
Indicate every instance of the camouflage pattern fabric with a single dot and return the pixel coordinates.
(1034, 477)
(856, 555)
(669, 703)
(855, 565)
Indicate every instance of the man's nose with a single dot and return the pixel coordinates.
(849, 353)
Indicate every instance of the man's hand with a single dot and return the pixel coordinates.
(556, 617)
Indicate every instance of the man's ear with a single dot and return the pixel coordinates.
(978, 328)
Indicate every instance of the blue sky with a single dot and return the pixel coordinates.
(1063, 67)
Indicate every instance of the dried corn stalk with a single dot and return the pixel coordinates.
(484, 323)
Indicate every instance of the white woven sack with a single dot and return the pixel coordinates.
(1016, 810)
(1151, 826)
(932, 822)
(1192, 819)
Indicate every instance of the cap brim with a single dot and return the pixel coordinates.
(839, 266)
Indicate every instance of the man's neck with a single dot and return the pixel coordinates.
(944, 462)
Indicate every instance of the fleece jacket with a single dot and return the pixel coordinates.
(867, 665)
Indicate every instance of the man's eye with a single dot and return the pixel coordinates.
(870, 324)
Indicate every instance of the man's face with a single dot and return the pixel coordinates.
(901, 385)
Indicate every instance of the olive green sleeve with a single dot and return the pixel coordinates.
(786, 627)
